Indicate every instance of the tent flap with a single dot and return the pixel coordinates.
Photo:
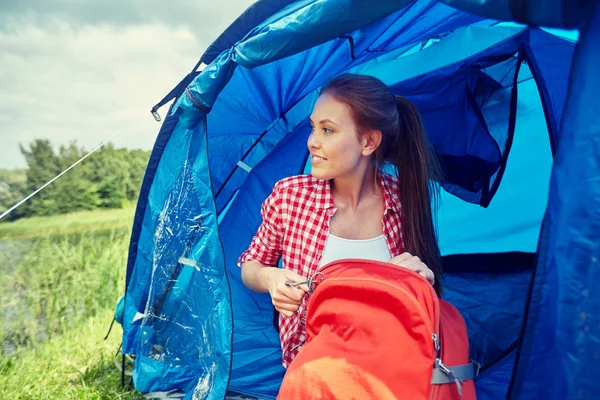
(561, 344)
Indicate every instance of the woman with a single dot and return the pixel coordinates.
(347, 207)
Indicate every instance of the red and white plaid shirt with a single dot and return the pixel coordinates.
(295, 225)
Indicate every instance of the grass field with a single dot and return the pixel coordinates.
(60, 278)
(69, 223)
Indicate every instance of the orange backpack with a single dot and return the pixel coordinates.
(378, 331)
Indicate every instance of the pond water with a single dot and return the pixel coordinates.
(12, 252)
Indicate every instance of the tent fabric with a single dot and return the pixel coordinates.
(253, 16)
(133, 297)
(290, 31)
(509, 223)
(262, 107)
(558, 13)
(561, 343)
(185, 337)
(550, 75)
(189, 319)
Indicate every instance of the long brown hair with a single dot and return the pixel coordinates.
(404, 145)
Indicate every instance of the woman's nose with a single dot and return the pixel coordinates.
(313, 142)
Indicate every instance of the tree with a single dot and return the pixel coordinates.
(43, 164)
(12, 189)
(111, 193)
(108, 178)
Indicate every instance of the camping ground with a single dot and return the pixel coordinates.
(60, 278)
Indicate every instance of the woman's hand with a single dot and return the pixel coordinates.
(286, 299)
(415, 264)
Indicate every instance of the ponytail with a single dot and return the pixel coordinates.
(418, 170)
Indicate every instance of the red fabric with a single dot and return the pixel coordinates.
(295, 225)
(455, 351)
(369, 336)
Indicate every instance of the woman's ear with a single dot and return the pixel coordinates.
(371, 141)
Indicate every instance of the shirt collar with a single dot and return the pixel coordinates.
(324, 199)
(391, 192)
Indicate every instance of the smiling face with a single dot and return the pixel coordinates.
(337, 148)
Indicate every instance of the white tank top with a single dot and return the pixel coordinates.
(337, 248)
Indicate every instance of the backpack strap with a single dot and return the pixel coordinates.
(443, 374)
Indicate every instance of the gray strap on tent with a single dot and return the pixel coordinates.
(443, 374)
(172, 394)
(244, 166)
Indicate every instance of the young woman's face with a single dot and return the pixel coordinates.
(334, 144)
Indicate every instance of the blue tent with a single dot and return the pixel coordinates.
(509, 109)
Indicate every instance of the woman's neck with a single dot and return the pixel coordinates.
(350, 191)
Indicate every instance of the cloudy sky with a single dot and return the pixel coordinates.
(82, 70)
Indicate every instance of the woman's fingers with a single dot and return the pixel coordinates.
(428, 274)
(401, 258)
(281, 306)
(287, 299)
(285, 308)
(422, 269)
(415, 264)
(285, 312)
(405, 258)
(295, 278)
(292, 293)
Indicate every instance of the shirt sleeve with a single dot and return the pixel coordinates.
(267, 245)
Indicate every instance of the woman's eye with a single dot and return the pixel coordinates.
(327, 130)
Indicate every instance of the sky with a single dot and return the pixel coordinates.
(73, 70)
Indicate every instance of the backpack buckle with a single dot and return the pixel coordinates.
(450, 374)
(441, 366)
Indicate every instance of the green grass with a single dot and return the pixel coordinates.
(61, 281)
(58, 291)
(78, 364)
(68, 223)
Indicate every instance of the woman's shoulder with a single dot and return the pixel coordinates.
(296, 190)
(297, 182)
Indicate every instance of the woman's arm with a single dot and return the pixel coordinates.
(255, 276)
(265, 250)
